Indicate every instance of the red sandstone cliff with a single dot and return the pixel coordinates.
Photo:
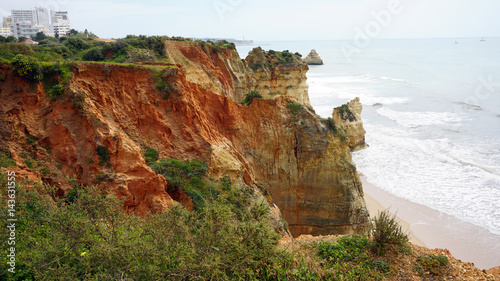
(305, 167)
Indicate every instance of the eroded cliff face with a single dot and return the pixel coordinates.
(223, 72)
(301, 166)
(279, 73)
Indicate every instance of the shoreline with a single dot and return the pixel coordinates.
(433, 229)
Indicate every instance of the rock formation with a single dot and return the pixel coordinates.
(296, 158)
(349, 117)
(313, 58)
(279, 73)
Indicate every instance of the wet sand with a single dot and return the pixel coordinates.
(434, 229)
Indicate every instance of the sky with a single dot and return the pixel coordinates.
(266, 20)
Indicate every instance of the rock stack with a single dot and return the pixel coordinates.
(313, 58)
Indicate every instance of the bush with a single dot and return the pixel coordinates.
(92, 237)
(188, 177)
(56, 91)
(103, 153)
(75, 44)
(28, 68)
(386, 230)
(94, 54)
(349, 258)
(139, 55)
(431, 264)
(151, 155)
(79, 102)
(6, 161)
(346, 113)
(250, 96)
(294, 107)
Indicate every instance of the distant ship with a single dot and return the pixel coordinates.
(482, 39)
(456, 42)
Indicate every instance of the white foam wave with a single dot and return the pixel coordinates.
(429, 173)
(394, 79)
(415, 119)
(349, 87)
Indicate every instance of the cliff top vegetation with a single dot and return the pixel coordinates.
(75, 47)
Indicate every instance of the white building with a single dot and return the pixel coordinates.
(23, 16)
(7, 21)
(60, 22)
(42, 16)
(5, 31)
(24, 23)
(27, 29)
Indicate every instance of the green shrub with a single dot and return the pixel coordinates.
(294, 107)
(56, 90)
(79, 102)
(386, 230)
(346, 113)
(94, 54)
(431, 264)
(103, 153)
(139, 55)
(75, 44)
(345, 249)
(188, 177)
(331, 124)
(151, 155)
(5, 160)
(349, 259)
(88, 235)
(250, 96)
(27, 67)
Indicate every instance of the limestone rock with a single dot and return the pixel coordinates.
(279, 73)
(349, 117)
(313, 58)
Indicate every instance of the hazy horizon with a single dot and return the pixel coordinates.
(265, 20)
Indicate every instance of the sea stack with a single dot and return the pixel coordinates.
(313, 58)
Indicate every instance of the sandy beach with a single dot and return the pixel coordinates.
(433, 229)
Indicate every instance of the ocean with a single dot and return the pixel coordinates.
(431, 109)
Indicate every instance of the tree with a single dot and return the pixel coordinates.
(94, 54)
(21, 39)
(10, 39)
(39, 36)
(2, 39)
(72, 32)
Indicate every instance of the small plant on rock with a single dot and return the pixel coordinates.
(386, 230)
(250, 96)
(294, 107)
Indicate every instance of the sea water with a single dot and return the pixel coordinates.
(431, 109)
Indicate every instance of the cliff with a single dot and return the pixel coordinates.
(220, 70)
(279, 73)
(96, 132)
